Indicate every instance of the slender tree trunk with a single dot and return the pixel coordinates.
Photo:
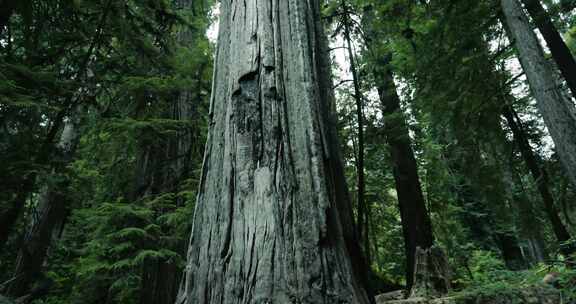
(559, 114)
(416, 223)
(540, 176)
(269, 220)
(560, 51)
(50, 214)
(362, 219)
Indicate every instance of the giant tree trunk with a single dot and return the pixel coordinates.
(559, 114)
(271, 224)
(49, 216)
(560, 51)
(540, 176)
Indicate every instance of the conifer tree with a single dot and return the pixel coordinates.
(272, 220)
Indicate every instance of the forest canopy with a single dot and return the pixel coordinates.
(287, 151)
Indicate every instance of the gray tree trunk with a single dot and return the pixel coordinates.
(272, 221)
(559, 113)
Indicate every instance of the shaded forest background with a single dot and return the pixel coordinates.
(103, 121)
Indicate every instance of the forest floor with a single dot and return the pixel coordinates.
(528, 295)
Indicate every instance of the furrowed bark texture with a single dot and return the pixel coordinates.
(559, 113)
(432, 273)
(272, 221)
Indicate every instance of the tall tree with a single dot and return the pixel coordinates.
(559, 113)
(48, 219)
(415, 216)
(272, 216)
(362, 218)
(560, 51)
(539, 175)
(416, 223)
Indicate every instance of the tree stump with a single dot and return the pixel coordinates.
(432, 273)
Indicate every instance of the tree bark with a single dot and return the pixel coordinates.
(559, 113)
(560, 51)
(416, 223)
(539, 174)
(432, 274)
(269, 225)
